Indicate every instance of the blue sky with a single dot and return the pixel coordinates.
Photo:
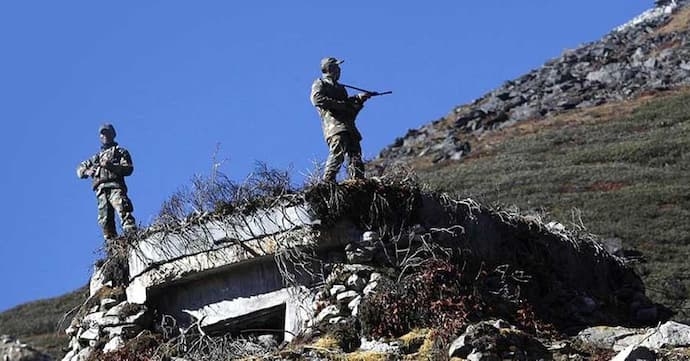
(178, 77)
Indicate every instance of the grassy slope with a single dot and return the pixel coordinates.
(625, 167)
(40, 323)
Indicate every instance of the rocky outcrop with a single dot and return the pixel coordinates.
(13, 350)
(650, 53)
(105, 323)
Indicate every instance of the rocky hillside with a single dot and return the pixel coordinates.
(599, 136)
(650, 53)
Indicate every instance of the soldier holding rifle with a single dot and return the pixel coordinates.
(338, 112)
(108, 169)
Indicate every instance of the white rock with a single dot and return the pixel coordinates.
(126, 331)
(354, 305)
(370, 236)
(346, 296)
(327, 313)
(605, 337)
(355, 282)
(670, 334)
(337, 319)
(370, 288)
(92, 333)
(98, 281)
(92, 319)
(375, 276)
(107, 303)
(114, 344)
(337, 289)
(379, 346)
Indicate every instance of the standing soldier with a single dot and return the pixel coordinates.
(108, 168)
(338, 112)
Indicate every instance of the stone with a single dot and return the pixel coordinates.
(126, 331)
(92, 319)
(354, 305)
(374, 276)
(107, 303)
(13, 350)
(484, 341)
(370, 288)
(337, 289)
(358, 254)
(346, 296)
(670, 334)
(390, 348)
(604, 337)
(98, 280)
(92, 333)
(268, 341)
(328, 313)
(370, 236)
(635, 353)
(336, 319)
(481, 356)
(355, 282)
(114, 344)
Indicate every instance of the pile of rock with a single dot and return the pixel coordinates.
(635, 58)
(109, 322)
(350, 285)
(13, 350)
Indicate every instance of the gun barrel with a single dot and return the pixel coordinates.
(366, 91)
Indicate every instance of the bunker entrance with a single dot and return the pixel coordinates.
(266, 321)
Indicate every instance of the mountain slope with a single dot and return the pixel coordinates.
(599, 135)
(620, 169)
(41, 323)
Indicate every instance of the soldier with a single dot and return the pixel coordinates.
(108, 168)
(338, 112)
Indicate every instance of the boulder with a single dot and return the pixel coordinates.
(13, 350)
(670, 334)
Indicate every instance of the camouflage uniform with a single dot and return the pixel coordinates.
(338, 112)
(109, 185)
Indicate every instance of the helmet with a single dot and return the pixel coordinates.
(107, 128)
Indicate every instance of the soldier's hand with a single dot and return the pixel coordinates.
(362, 97)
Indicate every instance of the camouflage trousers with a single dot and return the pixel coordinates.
(339, 146)
(111, 200)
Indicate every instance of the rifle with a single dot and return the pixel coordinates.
(371, 93)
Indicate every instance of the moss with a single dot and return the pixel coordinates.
(413, 340)
(328, 342)
(367, 356)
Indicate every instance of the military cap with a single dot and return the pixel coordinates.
(326, 62)
(107, 127)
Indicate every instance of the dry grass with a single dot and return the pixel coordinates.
(679, 22)
(623, 165)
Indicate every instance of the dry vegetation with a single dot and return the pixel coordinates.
(623, 166)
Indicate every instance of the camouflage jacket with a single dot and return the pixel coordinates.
(118, 166)
(336, 109)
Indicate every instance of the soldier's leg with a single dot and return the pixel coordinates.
(106, 215)
(336, 155)
(355, 166)
(123, 205)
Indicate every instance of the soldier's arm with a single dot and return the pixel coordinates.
(125, 167)
(85, 168)
(321, 100)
